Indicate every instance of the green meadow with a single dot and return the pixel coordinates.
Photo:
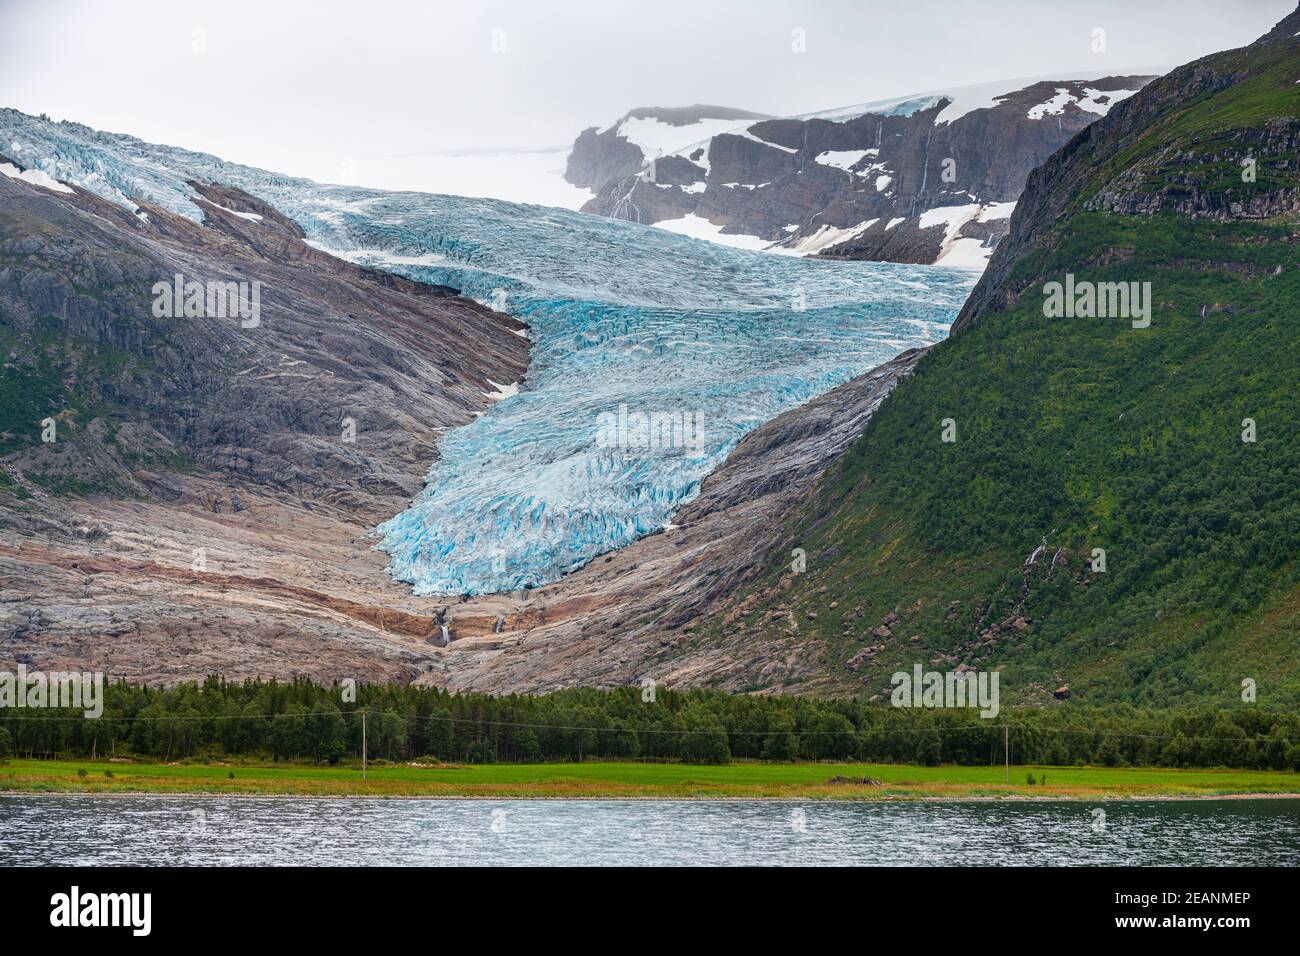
(602, 780)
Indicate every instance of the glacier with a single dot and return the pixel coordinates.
(635, 332)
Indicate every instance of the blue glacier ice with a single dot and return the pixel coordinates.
(629, 324)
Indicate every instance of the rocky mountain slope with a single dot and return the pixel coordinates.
(265, 403)
(931, 178)
(601, 156)
(841, 541)
(1101, 502)
(207, 500)
(189, 457)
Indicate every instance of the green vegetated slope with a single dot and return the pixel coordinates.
(1077, 434)
(49, 376)
(74, 366)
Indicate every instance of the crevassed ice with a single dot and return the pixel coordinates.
(626, 321)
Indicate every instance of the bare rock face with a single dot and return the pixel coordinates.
(207, 503)
(601, 156)
(335, 392)
(204, 502)
(598, 157)
(858, 184)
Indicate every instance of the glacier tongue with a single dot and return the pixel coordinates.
(653, 354)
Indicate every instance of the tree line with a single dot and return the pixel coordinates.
(306, 721)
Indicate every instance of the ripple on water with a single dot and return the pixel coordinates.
(259, 831)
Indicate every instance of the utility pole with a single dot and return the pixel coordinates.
(1006, 749)
(363, 746)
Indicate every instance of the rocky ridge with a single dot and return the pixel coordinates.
(232, 538)
(930, 178)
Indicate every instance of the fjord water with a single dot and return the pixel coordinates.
(70, 830)
(624, 320)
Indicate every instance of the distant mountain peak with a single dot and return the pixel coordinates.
(1288, 28)
(623, 148)
(925, 178)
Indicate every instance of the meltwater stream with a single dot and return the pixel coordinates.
(652, 354)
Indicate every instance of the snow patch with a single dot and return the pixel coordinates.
(997, 210)
(696, 187)
(501, 391)
(1091, 101)
(1093, 97)
(844, 159)
(824, 238)
(250, 216)
(697, 227)
(955, 251)
(35, 177)
(1053, 107)
(746, 134)
(954, 216)
(965, 253)
(656, 138)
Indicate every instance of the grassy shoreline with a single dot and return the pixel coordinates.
(621, 781)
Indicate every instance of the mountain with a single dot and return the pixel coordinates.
(601, 156)
(203, 502)
(1116, 512)
(928, 178)
(210, 502)
(238, 539)
(264, 403)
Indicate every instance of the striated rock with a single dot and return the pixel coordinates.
(859, 183)
(267, 406)
(227, 530)
(621, 149)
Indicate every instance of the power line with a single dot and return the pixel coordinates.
(654, 730)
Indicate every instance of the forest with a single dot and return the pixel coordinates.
(310, 722)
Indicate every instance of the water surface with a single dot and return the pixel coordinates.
(72, 830)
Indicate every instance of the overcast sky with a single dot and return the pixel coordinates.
(256, 82)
